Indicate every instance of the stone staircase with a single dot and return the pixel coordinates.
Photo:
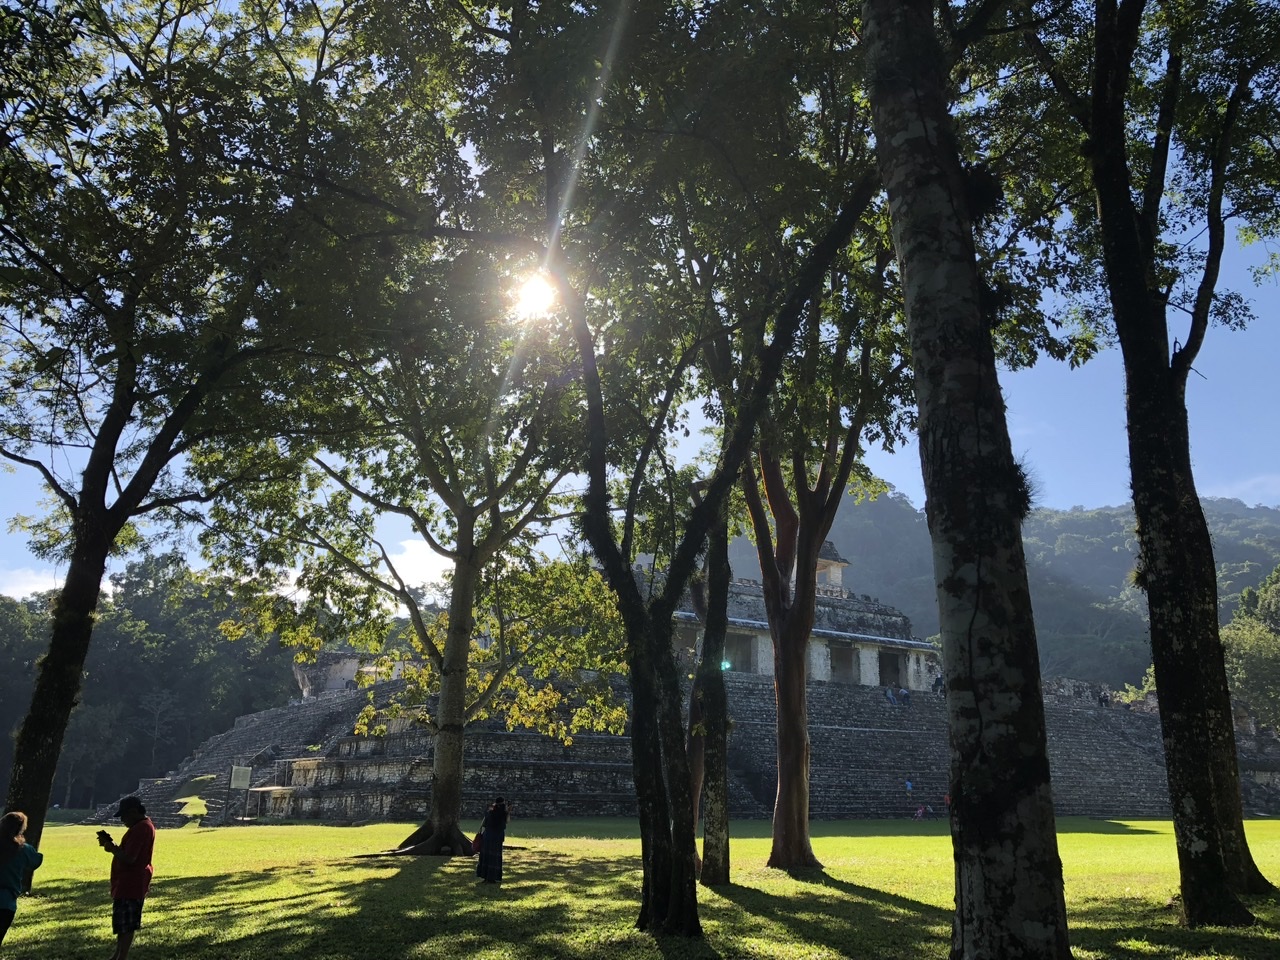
(260, 740)
(1104, 761)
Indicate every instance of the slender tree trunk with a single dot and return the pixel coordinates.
(1178, 574)
(792, 848)
(57, 688)
(784, 547)
(1176, 565)
(647, 770)
(1009, 897)
(715, 711)
(442, 834)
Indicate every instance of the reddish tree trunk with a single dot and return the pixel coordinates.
(792, 847)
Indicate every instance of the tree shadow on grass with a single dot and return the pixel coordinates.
(1098, 825)
(1132, 928)
(847, 918)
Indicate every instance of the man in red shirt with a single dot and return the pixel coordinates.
(130, 872)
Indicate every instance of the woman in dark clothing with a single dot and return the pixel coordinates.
(494, 831)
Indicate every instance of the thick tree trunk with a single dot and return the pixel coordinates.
(792, 848)
(57, 689)
(715, 712)
(1009, 897)
(647, 770)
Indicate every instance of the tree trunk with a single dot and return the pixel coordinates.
(791, 848)
(696, 743)
(1009, 897)
(681, 916)
(1176, 565)
(784, 547)
(1177, 571)
(715, 712)
(57, 689)
(446, 836)
(647, 770)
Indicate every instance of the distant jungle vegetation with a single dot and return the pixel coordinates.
(1090, 618)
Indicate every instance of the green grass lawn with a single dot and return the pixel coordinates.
(571, 892)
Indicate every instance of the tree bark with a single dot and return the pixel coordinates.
(58, 680)
(651, 799)
(1009, 896)
(715, 712)
(792, 848)
(1195, 706)
(445, 835)
(784, 547)
(1176, 565)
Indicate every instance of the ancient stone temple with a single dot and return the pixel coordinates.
(855, 640)
(1105, 760)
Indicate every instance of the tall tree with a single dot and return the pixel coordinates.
(1178, 105)
(145, 276)
(463, 437)
(1006, 906)
(842, 384)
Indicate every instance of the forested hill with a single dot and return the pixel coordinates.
(1090, 620)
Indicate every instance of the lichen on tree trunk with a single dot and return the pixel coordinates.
(1009, 896)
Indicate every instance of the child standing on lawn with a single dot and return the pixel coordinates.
(16, 858)
(130, 872)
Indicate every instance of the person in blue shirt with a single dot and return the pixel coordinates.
(16, 858)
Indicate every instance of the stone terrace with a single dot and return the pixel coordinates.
(1105, 761)
(260, 740)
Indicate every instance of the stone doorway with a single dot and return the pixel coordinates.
(892, 669)
(844, 665)
(739, 653)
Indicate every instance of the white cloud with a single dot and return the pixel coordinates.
(24, 581)
(418, 564)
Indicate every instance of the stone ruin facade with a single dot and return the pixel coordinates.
(855, 641)
(1105, 760)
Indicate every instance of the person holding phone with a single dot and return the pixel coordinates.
(131, 872)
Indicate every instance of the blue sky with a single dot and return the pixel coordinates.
(1068, 425)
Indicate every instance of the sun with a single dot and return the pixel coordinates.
(535, 298)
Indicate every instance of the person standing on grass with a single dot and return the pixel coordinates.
(492, 834)
(130, 872)
(17, 857)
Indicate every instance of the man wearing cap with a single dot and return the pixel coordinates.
(130, 872)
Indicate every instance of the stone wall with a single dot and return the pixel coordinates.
(1104, 761)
